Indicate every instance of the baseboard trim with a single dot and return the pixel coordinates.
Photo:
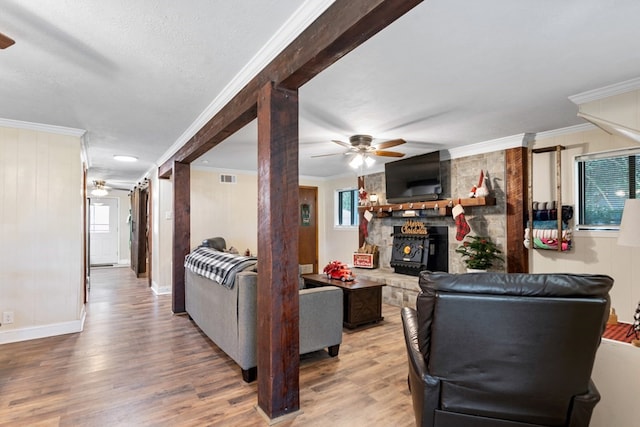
(43, 331)
(158, 290)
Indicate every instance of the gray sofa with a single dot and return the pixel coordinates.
(228, 317)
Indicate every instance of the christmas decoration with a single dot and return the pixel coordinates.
(462, 228)
(480, 252)
(483, 189)
(362, 196)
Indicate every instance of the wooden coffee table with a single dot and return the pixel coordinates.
(362, 299)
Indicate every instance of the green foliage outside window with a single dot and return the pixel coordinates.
(347, 215)
(605, 182)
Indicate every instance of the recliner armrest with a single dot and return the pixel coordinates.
(583, 406)
(425, 389)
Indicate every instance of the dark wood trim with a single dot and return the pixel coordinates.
(277, 307)
(149, 233)
(85, 236)
(516, 198)
(139, 229)
(361, 239)
(345, 25)
(181, 231)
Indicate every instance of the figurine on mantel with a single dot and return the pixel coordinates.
(481, 190)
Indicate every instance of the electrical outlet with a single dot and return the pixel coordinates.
(7, 317)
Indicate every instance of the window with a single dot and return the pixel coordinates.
(99, 215)
(346, 208)
(605, 181)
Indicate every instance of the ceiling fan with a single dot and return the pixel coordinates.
(360, 146)
(100, 188)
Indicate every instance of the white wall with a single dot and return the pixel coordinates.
(339, 243)
(41, 233)
(162, 234)
(225, 210)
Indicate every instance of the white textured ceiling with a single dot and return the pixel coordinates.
(138, 74)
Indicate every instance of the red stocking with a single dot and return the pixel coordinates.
(462, 227)
(363, 227)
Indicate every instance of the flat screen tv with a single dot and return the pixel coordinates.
(413, 179)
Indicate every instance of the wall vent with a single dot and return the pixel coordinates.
(227, 179)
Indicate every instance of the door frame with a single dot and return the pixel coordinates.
(314, 189)
(114, 214)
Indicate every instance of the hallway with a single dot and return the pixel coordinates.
(137, 364)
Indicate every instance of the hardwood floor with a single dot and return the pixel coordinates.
(137, 364)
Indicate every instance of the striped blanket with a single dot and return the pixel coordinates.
(218, 266)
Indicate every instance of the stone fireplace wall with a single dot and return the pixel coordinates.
(458, 176)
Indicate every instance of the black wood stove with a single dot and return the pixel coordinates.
(414, 252)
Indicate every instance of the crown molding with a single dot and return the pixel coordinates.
(520, 140)
(565, 131)
(605, 92)
(301, 19)
(39, 127)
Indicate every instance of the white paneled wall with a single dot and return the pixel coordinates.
(41, 233)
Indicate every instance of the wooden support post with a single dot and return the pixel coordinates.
(516, 194)
(361, 239)
(181, 230)
(278, 305)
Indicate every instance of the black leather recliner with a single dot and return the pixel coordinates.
(497, 349)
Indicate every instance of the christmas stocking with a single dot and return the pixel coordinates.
(462, 228)
(363, 228)
(364, 223)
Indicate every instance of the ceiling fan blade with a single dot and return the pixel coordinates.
(5, 41)
(327, 155)
(390, 143)
(344, 144)
(388, 153)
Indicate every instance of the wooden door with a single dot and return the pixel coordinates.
(139, 198)
(104, 231)
(308, 229)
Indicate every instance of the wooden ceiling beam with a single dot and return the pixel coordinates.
(345, 25)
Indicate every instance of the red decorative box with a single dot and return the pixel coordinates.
(365, 260)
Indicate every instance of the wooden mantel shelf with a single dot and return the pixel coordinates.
(442, 206)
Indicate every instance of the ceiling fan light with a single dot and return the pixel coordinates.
(369, 161)
(99, 192)
(356, 162)
(125, 158)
